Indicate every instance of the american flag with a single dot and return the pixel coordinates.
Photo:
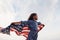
(26, 30)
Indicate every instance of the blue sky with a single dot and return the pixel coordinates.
(48, 12)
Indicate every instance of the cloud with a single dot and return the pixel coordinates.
(16, 10)
(7, 13)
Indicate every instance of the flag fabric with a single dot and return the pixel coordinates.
(25, 30)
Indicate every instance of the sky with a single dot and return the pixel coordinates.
(16, 10)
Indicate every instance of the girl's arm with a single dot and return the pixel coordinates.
(39, 23)
(16, 23)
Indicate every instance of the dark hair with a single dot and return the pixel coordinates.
(31, 16)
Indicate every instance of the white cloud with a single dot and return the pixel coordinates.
(6, 13)
(16, 10)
